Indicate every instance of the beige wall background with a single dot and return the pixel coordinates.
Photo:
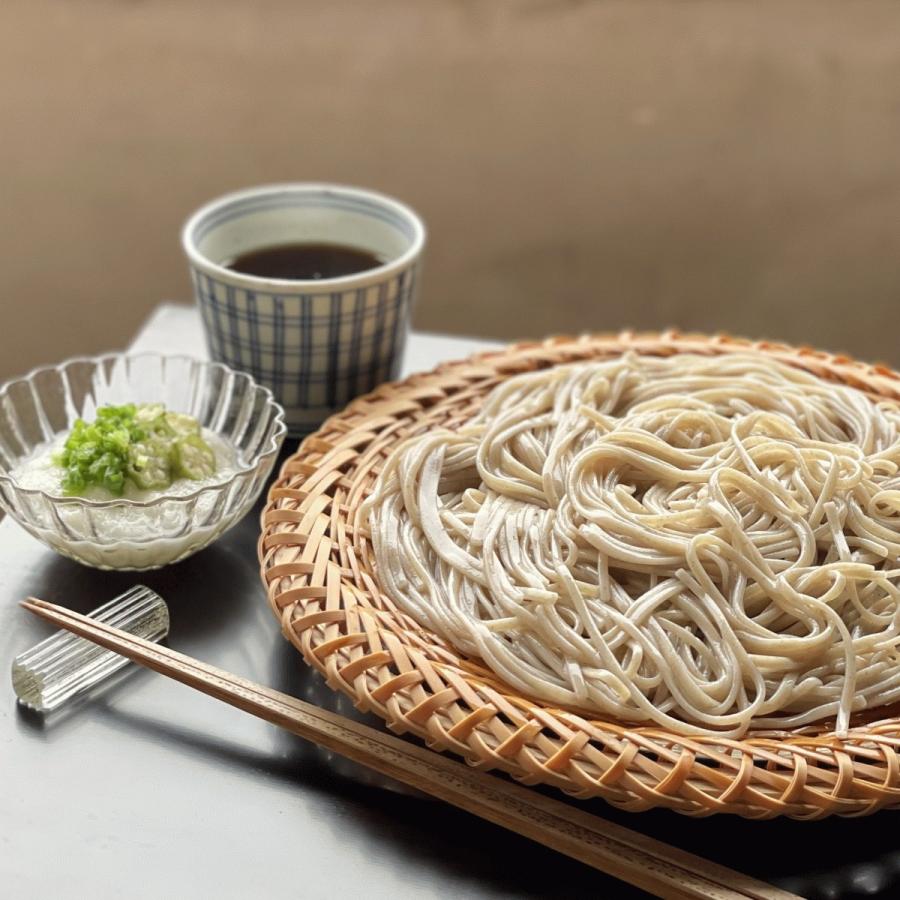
(581, 165)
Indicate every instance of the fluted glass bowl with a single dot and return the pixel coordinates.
(130, 534)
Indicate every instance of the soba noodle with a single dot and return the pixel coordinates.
(707, 544)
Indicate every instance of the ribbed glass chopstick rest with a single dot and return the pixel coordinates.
(63, 665)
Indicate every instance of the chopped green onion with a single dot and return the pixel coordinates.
(143, 444)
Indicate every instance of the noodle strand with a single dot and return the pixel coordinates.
(707, 544)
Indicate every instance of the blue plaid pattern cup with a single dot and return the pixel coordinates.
(316, 344)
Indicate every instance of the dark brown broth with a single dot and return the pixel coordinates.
(304, 262)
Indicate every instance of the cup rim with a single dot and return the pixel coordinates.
(310, 285)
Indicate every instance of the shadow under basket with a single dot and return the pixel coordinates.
(319, 571)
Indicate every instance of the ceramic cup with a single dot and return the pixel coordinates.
(316, 344)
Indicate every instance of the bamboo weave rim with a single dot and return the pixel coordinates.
(318, 569)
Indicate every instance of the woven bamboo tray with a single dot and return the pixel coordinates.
(317, 565)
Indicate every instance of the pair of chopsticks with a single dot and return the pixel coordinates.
(624, 854)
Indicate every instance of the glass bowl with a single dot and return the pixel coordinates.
(136, 534)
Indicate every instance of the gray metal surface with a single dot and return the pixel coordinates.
(149, 789)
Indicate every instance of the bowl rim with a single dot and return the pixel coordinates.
(272, 446)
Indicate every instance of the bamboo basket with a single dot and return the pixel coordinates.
(318, 568)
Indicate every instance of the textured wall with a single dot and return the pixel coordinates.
(580, 165)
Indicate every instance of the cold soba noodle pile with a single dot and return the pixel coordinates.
(703, 543)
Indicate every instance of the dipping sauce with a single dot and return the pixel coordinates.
(304, 261)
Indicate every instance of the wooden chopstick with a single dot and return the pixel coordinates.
(625, 854)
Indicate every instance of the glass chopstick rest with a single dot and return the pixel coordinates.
(64, 665)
